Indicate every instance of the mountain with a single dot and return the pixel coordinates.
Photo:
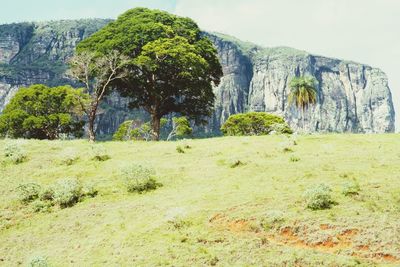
(352, 97)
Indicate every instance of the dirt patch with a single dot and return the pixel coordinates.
(335, 242)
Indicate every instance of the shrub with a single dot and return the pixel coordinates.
(41, 206)
(99, 153)
(351, 189)
(47, 194)
(14, 152)
(140, 179)
(38, 261)
(319, 197)
(90, 190)
(28, 192)
(272, 220)
(255, 123)
(294, 159)
(69, 156)
(179, 149)
(67, 192)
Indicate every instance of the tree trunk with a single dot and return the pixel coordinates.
(304, 123)
(155, 125)
(92, 119)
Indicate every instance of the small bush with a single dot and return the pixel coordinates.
(69, 156)
(99, 153)
(14, 152)
(255, 123)
(140, 179)
(38, 261)
(90, 190)
(67, 192)
(180, 150)
(41, 206)
(272, 220)
(319, 197)
(351, 189)
(294, 159)
(28, 192)
(47, 194)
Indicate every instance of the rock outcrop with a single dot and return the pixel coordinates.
(351, 97)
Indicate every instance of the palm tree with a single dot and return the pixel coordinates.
(303, 93)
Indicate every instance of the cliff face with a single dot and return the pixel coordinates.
(351, 97)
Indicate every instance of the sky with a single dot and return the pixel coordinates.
(366, 31)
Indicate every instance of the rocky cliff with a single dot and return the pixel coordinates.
(351, 97)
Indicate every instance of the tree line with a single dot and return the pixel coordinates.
(161, 62)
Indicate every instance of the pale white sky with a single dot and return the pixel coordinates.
(366, 31)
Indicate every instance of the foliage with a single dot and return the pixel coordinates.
(68, 156)
(172, 68)
(303, 93)
(67, 192)
(139, 179)
(351, 188)
(97, 73)
(14, 152)
(99, 153)
(180, 150)
(318, 197)
(39, 261)
(46, 194)
(41, 206)
(254, 123)
(28, 192)
(136, 130)
(272, 220)
(180, 128)
(42, 112)
(90, 190)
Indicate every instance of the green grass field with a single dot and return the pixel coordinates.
(213, 204)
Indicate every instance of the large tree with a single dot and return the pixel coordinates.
(41, 112)
(173, 67)
(303, 93)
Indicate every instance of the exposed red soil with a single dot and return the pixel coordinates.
(288, 237)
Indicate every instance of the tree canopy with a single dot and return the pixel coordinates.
(303, 93)
(42, 112)
(172, 66)
(255, 123)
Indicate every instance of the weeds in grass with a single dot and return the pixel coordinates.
(99, 153)
(234, 163)
(351, 189)
(294, 159)
(69, 156)
(14, 152)
(38, 261)
(273, 219)
(180, 150)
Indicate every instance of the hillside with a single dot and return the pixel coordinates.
(352, 97)
(224, 202)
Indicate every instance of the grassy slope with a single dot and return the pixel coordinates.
(221, 206)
